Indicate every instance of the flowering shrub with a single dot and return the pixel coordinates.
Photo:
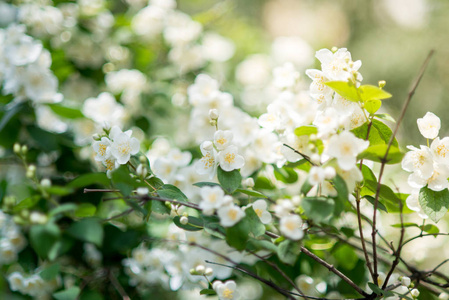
(136, 170)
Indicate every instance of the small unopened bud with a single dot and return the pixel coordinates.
(96, 137)
(141, 170)
(142, 159)
(168, 205)
(315, 158)
(16, 148)
(38, 218)
(382, 83)
(406, 281)
(207, 145)
(248, 182)
(184, 220)
(208, 272)
(46, 183)
(25, 213)
(24, 149)
(216, 284)
(31, 171)
(334, 49)
(142, 191)
(329, 173)
(213, 114)
(313, 137)
(200, 269)
(192, 272)
(414, 293)
(443, 296)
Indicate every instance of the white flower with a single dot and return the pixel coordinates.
(316, 175)
(285, 76)
(414, 293)
(102, 148)
(229, 159)
(227, 290)
(211, 199)
(412, 202)
(16, 281)
(429, 125)
(345, 147)
(290, 227)
(230, 215)
(202, 90)
(437, 182)
(419, 161)
(339, 65)
(260, 208)
(217, 48)
(178, 158)
(327, 122)
(123, 146)
(207, 164)
(222, 139)
(440, 150)
(406, 281)
(103, 109)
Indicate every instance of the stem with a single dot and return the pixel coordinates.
(384, 159)
(118, 286)
(306, 157)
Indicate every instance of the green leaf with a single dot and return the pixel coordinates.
(89, 230)
(372, 106)
(155, 182)
(251, 193)
(68, 294)
(263, 183)
(384, 132)
(431, 229)
(230, 181)
(89, 179)
(318, 208)
(66, 112)
(288, 251)
(346, 256)
(194, 224)
(9, 114)
(66, 207)
(306, 187)
(368, 174)
(375, 288)
(385, 117)
(345, 89)
(405, 225)
(203, 183)
(286, 175)
(377, 152)
(27, 203)
(123, 181)
(237, 236)
(43, 238)
(263, 245)
(59, 190)
(169, 191)
(380, 205)
(159, 207)
(50, 272)
(434, 204)
(306, 130)
(85, 210)
(371, 92)
(340, 185)
(207, 292)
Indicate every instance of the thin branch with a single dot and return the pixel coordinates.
(424, 235)
(384, 159)
(306, 157)
(118, 286)
(327, 265)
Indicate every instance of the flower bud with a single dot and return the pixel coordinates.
(24, 149)
(444, 296)
(248, 182)
(414, 293)
(38, 218)
(31, 171)
(192, 272)
(16, 148)
(208, 272)
(207, 145)
(213, 114)
(406, 281)
(45, 183)
(200, 269)
(142, 191)
(315, 158)
(184, 220)
(141, 170)
(382, 83)
(216, 284)
(142, 159)
(96, 137)
(329, 173)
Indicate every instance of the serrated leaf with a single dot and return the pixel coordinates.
(371, 92)
(372, 106)
(434, 204)
(251, 193)
(377, 152)
(194, 224)
(68, 294)
(229, 181)
(306, 130)
(345, 89)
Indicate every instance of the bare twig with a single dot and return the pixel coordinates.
(384, 159)
(306, 157)
(118, 286)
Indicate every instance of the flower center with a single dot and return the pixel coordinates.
(228, 294)
(124, 148)
(229, 158)
(258, 212)
(102, 149)
(442, 150)
(232, 214)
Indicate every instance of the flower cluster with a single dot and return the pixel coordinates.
(115, 148)
(11, 240)
(429, 165)
(33, 285)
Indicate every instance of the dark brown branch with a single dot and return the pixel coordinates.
(118, 286)
(306, 157)
(384, 159)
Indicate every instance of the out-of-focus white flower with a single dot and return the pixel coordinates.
(436, 182)
(254, 70)
(406, 281)
(414, 293)
(211, 199)
(217, 48)
(419, 161)
(339, 65)
(16, 281)
(292, 49)
(316, 175)
(48, 120)
(229, 159)
(179, 158)
(227, 290)
(412, 202)
(230, 215)
(285, 76)
(202, 90)
(429, 125)
(345, 147)
(260, 208)
(290, 227)
(440, 150)
(103, 109)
